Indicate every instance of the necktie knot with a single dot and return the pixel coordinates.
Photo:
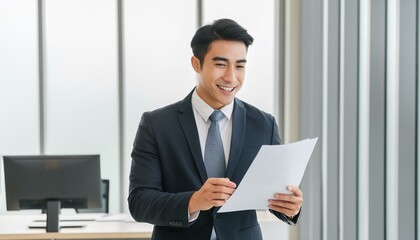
(216, 116)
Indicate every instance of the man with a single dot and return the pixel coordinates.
(186, 164)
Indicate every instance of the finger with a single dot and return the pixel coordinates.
(289, 202)
(289, 210)
(218, 203)
(287, 197)
(222, 181)
(223, 189)
(295, 190)
(285, 211)
(287, 205)
(220, 196)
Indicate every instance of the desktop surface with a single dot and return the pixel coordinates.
(79, 226)
(14, 226)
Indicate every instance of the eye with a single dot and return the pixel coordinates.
(220, 64)
(240, 66)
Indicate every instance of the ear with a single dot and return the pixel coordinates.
(195, 63)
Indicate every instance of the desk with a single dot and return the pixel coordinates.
(120, 226)
(112, 226)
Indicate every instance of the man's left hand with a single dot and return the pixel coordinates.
(288, 204)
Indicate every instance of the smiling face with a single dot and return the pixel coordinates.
(222, 73)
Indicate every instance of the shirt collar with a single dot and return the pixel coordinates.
(205, 110)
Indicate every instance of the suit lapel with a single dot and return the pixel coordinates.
(238, 133)
(187, 121)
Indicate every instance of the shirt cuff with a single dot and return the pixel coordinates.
(193, 216)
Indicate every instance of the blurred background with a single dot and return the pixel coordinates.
(76, 76)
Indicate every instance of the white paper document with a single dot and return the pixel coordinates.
(274, 168)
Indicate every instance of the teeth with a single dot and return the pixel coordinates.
(228, 89)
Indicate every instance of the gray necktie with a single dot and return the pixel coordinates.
(214, 156)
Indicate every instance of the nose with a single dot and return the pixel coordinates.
(230, 75)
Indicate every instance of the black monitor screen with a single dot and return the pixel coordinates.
(32, 181)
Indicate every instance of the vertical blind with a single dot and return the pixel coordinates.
(360, 94)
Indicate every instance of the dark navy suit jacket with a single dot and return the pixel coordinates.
(167, 167)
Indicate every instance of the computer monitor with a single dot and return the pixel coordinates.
(52, 182)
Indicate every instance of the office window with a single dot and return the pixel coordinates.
(19, 95)
(257, 16)
(19, 122)
(157, 68)
(81, 83)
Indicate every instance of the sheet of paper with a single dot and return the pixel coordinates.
(274, 167)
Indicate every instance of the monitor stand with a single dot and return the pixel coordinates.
(53, 211)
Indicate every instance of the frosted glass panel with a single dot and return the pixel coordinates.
(81, 76)
(19, 95)
(157, 60)
(257, 16)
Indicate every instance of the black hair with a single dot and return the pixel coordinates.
(222, 29)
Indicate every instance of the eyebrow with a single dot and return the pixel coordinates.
(226, 60)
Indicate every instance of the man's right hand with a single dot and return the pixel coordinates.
(214, 193)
